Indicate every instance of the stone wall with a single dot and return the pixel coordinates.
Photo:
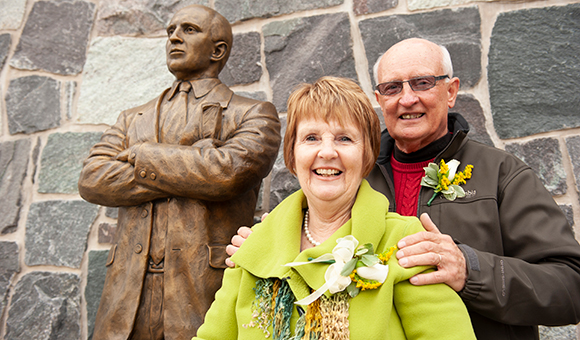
(68, 67)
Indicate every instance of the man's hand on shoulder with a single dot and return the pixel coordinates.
(237, 241)
(431, 248)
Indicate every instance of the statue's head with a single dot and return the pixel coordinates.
(199, 43)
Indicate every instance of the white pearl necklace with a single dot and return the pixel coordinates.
(307, 232)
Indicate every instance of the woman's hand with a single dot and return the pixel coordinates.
(433, 248)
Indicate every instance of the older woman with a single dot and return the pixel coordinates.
(319, 266)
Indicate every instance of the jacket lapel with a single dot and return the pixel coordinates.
(205, 117)
(145, 126)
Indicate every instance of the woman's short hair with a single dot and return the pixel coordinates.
(333, 99)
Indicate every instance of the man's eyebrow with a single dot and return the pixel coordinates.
(196, 26)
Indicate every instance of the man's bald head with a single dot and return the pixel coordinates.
(413, 45)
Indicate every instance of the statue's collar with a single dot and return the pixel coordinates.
(200, 87)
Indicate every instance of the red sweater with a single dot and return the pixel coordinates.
(407, 180)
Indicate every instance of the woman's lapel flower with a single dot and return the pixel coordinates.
(377, 272)
(343, 253)
(351, 268)
(445, 179)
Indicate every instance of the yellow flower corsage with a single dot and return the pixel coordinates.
(446, 180)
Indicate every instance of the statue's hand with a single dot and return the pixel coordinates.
(128, 155)
(123, 156)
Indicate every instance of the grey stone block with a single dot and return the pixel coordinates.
(95, 283)
(107, 232)
(238, 10)
(470, 108)
(305, 49)
(55, 37)
(372, 6)
(282, 183)
(70, 88)
(558, 333)
(121, 73)
(57, 232)
(260, 95)
(543, 155)
(35, 153)
(12, 13)
(138, 17)
(379, 113)
(573, 146)
(62, 161)
(5, 40)
(112, 212)
(14, 157)
(534, 70)
(8, 267)
(45, 306)
(569, 212)
(260, 202)
(33, 104)
(458, 30)
(243, 66)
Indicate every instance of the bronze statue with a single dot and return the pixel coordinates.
(185, 170)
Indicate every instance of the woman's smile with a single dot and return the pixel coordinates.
(327, 172)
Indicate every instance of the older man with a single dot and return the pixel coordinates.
(185, 169)
(505, 247)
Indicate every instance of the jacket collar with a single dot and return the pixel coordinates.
(276, 241)
(202, 87)
(212, 90)
(456, 124)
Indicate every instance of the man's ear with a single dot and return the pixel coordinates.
(452, 90)
(220, 50)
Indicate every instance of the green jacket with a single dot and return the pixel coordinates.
(397, 310)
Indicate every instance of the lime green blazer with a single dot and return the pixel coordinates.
(397, 310)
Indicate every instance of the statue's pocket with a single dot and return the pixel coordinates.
(111, 257)
(217, 256)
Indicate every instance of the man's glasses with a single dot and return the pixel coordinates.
(417, 84)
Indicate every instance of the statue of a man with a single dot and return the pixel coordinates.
(185, 170)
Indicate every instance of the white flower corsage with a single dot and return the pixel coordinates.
(351, 268)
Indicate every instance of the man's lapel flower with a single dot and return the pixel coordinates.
(446, 180)
(351, 268)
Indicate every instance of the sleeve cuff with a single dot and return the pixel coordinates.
(133, 154)
(472, 284)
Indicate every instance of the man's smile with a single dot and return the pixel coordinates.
(412, 115)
